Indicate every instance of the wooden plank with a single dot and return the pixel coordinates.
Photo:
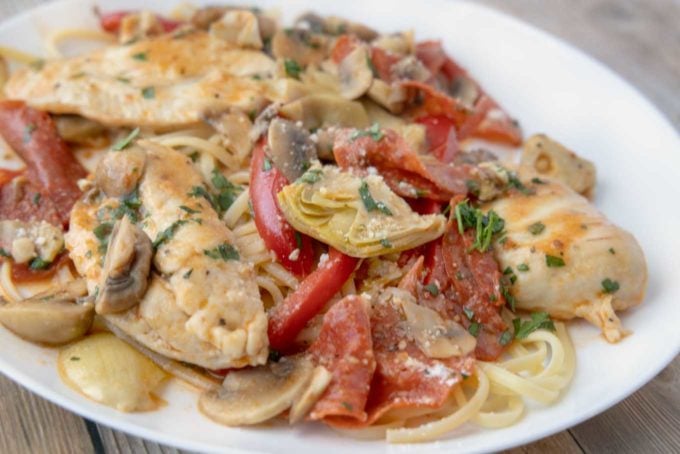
(30, 424)
(648, 421)
(563, 443)
(115, 441)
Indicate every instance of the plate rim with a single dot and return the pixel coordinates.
(24, 380)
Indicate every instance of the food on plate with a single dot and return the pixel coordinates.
(314, 222)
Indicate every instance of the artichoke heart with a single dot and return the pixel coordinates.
(361, 217)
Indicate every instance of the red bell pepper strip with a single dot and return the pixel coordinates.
(51, 169)
(278, 235)
(110, 22)
(287, 319)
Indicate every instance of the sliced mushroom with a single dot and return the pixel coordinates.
(543, 157)
(117, 173)
(238, 27)
(251, 396)
(435, 336)
(355, 73)
(465, 90)
(203, 18)
(338, 26)
(77, 129)
(397, 43)
(391, 97)
(50, 321)
(321, 110)
(261, 123)
(410, 68)
(303, 46)
(126, 268)
(290, 148)
(320, 380)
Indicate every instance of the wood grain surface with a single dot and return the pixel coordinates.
(640, 40)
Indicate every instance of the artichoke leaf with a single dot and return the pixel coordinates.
(330, 208)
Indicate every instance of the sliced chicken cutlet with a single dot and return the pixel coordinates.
(159, 83)
(202, 305)
(568, 259)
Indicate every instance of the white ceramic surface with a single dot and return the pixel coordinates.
(550, 87)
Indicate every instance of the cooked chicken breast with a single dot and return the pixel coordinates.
(202, 305)
(162, 82)
(570, 261)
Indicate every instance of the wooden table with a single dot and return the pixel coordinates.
(639, 39)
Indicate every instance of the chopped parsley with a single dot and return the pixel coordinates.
(537, 180)
(124, 143)
(472, 187)
(141, 56)
(474, 328)
(371, 66)
(224, 251)
(512, 277)
(505, 338)
(123, 80)
(36, 199)
(485, 225)
(612, 251)
(187, 275)
(523, 267)
(188, 210)
(28, 132)
(347, 406)
(4, 253)
(509, 298)
(148, 92)
(168, 233)
(298, 240)
(39, 264)
(369, 202)
(539, 320)
(200, 191)
(293, 68)
(537, 228)
(609, 286)
(311, 176)
(194, 156)
(385, 243)
(469, 313)
(266, 164)
(37, 65)
(274, 356)
(513, 182)
(103, 232)
(432, 289)
(553, 261)
(374, 132)
(74, 358)
(227, 191)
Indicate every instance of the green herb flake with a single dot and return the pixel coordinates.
(384, 242)
(141, 56)
(432, 289)
(347, 406)
(188, 210)
(612, 251)
(537, 228)
(539, 320)
(512, 277)
(28, 132)
(509, 298)
(537, 180)
(553, 261)
(505, 338)
(311, 176)
(371, 66)
(469, 313)
(274, 355)
(293, 68)
(148, 92)
(4, 253)
(609, 286)
(39, 264)
(228, 192)
(514, 182)
(168, 233)
(523, 267)
(474, 328)
(103, 230)
(266, 165)
(37, 65)
(224, 251)
(194, 156)
(200, 191)
(36, 199)
(74, 358)
(124, 143)
(187, 275)
(88, 254)
(369, 202)
(374, 132)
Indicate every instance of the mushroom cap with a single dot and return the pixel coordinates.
(253, 395)
(355, 73)
(290, 148)
(325, 110)
(320, 380)
(117, 174)
(126, 268)
(51, 322)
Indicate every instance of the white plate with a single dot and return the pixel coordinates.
(551, 88)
